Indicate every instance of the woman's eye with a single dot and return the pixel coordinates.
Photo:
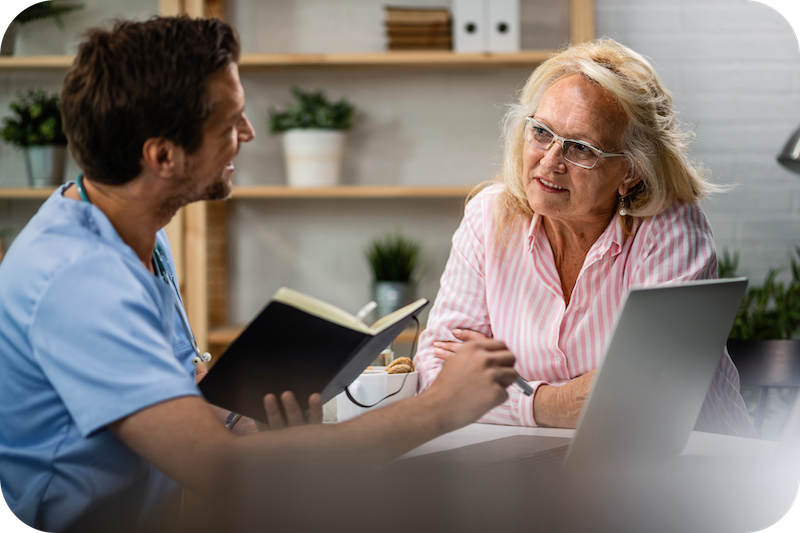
(581, 148)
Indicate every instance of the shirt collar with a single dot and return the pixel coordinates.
(93, 219)
(610, 241)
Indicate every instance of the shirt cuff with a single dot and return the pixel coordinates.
(525, 405)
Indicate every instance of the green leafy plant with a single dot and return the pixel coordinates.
(393, 257)
(771, 311)
(313, 110)
(46, 10)
(36, 121)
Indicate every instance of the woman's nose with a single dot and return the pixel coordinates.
(554, 154)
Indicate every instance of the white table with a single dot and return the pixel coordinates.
(700, 444)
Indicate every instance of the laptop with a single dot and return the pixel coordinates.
(649, 388)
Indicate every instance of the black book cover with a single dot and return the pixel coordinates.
(285, 348)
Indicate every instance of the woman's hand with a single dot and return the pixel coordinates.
(444, 349)
(294, 414)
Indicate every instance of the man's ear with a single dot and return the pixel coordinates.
(162, 157)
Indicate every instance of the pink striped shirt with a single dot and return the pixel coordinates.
(513, 293)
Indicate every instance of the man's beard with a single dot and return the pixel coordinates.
(219, 189)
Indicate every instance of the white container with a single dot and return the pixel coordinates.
(373, 386)
(470, 34)
(503, 26)
(313, 157)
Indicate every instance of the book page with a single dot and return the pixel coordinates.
(320, 308)
(331, 313)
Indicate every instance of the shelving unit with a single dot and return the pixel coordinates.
(198, 233)
(411, 60)
(350, 191)
(25, 193)
(35, 62)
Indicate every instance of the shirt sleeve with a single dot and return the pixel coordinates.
(461, 303)
(102, 334)
(679, 246)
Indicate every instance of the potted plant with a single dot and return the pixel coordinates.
(394, 260)
(313, 131)
(767, 324)
(40, 11)
(768, 312)
(36, 128)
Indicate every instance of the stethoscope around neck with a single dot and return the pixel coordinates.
(165, 272)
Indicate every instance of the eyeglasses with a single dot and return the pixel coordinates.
(578, 153)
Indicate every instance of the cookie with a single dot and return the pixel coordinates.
(400, 362)
(399, 369)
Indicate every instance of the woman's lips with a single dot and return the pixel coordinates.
(230, 167)
(549, 186)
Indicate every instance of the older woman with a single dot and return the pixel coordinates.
(597, 195)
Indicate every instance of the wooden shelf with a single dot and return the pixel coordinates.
(224, 335)
(25, 193)
(414, 59)
(35, 62)
(350, 191)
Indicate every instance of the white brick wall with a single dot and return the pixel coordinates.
(734, 68)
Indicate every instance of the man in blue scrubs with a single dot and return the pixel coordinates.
(100, 416)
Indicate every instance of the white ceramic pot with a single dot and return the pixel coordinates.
(313, 157)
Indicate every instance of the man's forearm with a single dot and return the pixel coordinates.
(371, 439)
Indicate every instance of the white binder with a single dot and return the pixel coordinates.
(469, 25)
(503, 25)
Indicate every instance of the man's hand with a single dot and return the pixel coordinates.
(474, 380)
(560, 407)
(294, 415)
(444, 349)
(200, 372)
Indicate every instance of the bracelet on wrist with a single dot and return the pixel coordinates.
(232, 419)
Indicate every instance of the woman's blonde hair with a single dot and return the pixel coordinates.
(655, 143)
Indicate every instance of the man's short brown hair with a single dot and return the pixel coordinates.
(141, 80)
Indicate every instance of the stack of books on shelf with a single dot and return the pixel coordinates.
(418, 28)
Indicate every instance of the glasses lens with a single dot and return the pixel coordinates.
(579, 153)
(537, 135)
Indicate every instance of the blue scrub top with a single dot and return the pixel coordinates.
(87, 336)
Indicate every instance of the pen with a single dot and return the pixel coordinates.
(522, 384)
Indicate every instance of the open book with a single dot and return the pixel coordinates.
(301, 344)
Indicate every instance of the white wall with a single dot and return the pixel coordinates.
(734, 68)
